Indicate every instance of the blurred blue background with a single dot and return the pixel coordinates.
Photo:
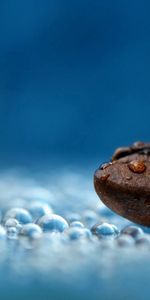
(74, 85)
(74, 79)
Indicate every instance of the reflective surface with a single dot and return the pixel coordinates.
(38, 263)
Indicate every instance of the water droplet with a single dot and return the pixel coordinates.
(12, 233)
(105, 165)
(11, 222)
(31, 230)
(20, 214)
(104, 177)
(137, 166)
(76, 233)
(105, 230)
(53, 222)
(77, 224)
(132, 230)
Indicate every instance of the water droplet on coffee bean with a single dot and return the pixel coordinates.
(137, 166)
(105, 177)
(105, 165)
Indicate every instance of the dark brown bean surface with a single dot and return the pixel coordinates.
(123, 184)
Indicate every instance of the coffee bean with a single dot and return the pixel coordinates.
(123, 184)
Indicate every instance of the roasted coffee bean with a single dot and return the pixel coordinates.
(123, 184)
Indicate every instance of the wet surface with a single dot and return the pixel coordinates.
(101, 250)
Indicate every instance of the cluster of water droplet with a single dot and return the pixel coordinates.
(39, 222)
(67, 240)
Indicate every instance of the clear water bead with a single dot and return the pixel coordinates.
(13, 223)
(88, 232)
(132, 230)
(105, 230)
(20, 214)
(31, 230)
(12, 233)
(38, 209)
(77, 224)
(53, 222)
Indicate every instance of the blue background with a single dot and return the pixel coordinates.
(74, 85)
(74, 79)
